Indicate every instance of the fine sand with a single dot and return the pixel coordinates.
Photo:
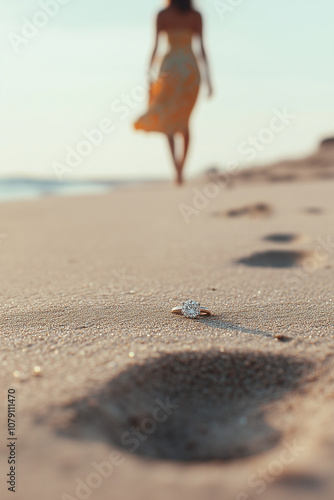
(236, 406)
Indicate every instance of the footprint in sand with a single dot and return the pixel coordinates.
(276, 258)
(313, 210)
(299, 482)
(190, 405)
(256, 210)
(284, 237)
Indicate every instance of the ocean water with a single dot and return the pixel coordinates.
(31, 188)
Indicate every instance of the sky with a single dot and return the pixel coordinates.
(67, 64)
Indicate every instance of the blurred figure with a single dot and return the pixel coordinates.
(173, 95)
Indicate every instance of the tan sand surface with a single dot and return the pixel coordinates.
(237, 406)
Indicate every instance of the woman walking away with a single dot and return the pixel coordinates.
(174, 94)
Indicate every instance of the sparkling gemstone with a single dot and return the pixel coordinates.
(191, 309)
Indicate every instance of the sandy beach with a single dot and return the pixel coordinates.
(118, 398)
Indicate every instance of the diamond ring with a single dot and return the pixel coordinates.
(191, 309)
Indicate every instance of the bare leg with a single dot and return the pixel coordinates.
(186, 138)
(186, 142)
(179, 164)
(171, 140)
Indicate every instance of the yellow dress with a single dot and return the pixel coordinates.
(174, 94)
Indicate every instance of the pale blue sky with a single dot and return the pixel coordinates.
(265, 55)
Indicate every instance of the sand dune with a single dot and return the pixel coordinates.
(319, 165)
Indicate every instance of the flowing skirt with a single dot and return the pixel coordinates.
(174, 94)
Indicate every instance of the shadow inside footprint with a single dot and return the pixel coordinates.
(189, 406)
(256, 210)
(275, 258)
(299, 482)
(282, 237)
(313, 210)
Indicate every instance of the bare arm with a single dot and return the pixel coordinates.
(204, 58)
(159, 29)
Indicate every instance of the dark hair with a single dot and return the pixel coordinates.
(182, 5)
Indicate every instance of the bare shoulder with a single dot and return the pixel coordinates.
(198, 20)
(197, 14)
(164, 13)
(165, 16)
(161, 18)
(161, 14)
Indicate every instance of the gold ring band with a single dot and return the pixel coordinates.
(203, 311)
(191, 309)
